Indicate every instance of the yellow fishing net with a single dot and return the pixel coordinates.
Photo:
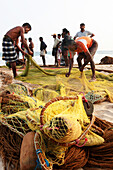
(54, 79)
(63, 120)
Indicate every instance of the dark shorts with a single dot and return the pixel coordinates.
(8, 50)
(64, 51)
(54, 51)
(32, 51)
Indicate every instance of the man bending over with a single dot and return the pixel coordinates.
(11, 40)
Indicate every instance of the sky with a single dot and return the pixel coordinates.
(51, 16)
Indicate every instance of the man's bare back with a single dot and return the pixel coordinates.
(14, 33)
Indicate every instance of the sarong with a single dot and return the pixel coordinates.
(8, 50)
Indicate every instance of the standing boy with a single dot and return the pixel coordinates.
(55, 48)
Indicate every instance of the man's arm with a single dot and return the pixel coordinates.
(24, 41)
(58, 42)
(70, 63)
(32, 45)
(16, 44)
(75, 36)
(92, 35)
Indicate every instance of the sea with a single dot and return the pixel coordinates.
(50, 59)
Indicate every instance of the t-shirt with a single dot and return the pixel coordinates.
(43, 46)
(83, 34)
(83, 43)
(56, 41)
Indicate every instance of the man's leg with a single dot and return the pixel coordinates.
(93, 69)
(79, 59)
(13, 66)
(65, 55)
(93, 50)
(43, 59)
(56, 61)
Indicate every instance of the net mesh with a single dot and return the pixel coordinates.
(21, 112)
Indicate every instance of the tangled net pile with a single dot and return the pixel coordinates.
(73, 85)
(56, 111)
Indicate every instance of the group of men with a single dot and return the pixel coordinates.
(84, 45)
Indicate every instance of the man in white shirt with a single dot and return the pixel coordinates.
(55, 48)
(83, 33)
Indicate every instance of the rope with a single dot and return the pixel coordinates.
(12, 129)
(41, 162)
(29, 58)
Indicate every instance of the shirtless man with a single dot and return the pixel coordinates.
(11, 40)
(31, 45)
(85, 47)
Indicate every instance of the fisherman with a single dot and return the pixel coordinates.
(43, 51)
(64, 49)
(83, 32)
(10, 40)
(86, 48)
(55, 48)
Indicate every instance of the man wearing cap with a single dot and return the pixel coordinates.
(83, 32)
(85, 47)
(55, 48)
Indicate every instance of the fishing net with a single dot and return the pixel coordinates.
(14, 102)
(55, 80)
(56, 112)
(44, 94)
(64, 121)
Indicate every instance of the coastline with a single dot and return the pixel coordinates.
(50, 59)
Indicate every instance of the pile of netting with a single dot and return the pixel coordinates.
(57, 116)
(54, 79)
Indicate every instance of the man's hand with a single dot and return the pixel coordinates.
(67, 74)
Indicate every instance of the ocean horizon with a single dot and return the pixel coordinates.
(50, 59)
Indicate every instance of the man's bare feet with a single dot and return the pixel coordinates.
(92, 79)
(80, 75)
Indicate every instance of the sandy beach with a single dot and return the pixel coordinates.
(102, 110)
